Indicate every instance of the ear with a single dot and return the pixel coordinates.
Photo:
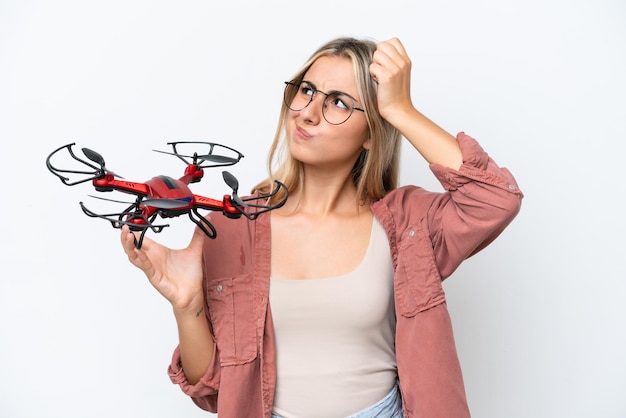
(367, 143)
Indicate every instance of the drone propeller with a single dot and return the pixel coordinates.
(217, 155)
(155, 203)
(111, 200)
(164, 203)
(94, 156)
(220, 159)
(232, 182)
(214, 158)
(98, 159)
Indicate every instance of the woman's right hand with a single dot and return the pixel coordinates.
(175, 274)
(391, 69)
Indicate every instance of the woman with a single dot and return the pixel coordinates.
(332, 305)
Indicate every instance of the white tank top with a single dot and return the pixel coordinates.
(335, 337)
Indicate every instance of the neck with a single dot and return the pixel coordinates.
(324, 193)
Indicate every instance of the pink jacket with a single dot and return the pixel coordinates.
(429, 233)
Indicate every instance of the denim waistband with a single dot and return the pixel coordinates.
(388, 407)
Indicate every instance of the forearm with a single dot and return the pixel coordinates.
(434, 144)
(391, 69)
(195, 341)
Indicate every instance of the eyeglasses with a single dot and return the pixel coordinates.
(337, 108)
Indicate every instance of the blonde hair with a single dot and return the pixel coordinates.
(375, 172)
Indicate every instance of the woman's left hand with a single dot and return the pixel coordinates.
(391, 69)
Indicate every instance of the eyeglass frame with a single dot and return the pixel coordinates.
(316, 90)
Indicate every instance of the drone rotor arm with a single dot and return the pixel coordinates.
(202, 202)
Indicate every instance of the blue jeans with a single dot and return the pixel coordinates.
(388, 407)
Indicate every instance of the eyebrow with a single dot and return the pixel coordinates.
(329, 92)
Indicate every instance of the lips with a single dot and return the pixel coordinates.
(302, 133)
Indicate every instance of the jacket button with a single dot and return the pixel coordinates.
(512, 187)
(411, 233)
(219, 288)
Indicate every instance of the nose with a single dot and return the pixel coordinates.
(313, 112)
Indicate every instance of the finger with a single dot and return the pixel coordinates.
(396, 47)
(374, 72)
(197, 240)
(137, 257)
(392, 48)
(127, 239)
(381, 71)
(382, 65)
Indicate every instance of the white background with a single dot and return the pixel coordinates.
(539, 315)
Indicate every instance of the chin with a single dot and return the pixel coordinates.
(299, 151)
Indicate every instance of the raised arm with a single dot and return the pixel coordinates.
(391, 68)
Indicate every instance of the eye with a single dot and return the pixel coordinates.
(306, 89)
(339, 101)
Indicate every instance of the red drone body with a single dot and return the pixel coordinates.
(168, 197)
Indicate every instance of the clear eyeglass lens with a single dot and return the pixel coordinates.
(301, 94)
(337, 107)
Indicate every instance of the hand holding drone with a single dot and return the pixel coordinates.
(164, 196)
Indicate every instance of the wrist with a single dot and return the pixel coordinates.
(193, 309)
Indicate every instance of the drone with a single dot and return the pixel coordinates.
(164, 196)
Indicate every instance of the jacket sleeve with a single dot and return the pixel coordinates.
(203, 393)
(480, 202)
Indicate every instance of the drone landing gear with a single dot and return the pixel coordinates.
(135, 220)
(202, 223)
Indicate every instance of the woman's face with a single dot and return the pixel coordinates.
(314, 141)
